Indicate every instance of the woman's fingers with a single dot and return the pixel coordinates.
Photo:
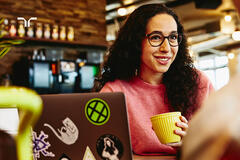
(180, 133)
(183, 119)
(176, 145)
(182, 125)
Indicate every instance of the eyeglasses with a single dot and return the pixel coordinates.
(156, 39)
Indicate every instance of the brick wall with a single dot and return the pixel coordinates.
(86, 16)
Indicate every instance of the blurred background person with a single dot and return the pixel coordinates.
(214, 131)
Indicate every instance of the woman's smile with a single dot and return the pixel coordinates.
(163, 60)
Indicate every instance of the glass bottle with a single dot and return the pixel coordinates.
(30, 31)
(35, 53)
(47, 31)
(39, 31)
(21, 29)
(62, 32)
(70, 35)
(6, 27)
(12, 29)
(55, 32)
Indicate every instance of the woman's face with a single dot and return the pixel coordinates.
(108, 143)
(155, 60)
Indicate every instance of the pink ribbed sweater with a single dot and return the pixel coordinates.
(144, 100)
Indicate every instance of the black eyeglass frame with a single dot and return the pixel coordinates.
(164, 37)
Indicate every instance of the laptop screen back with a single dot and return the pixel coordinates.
(84, 126)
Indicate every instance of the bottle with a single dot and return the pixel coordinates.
(70, 34)
(6, 27)
(42, 56)
(21, 29)
(62, 33)
(35, 53)
(39, 31)
(47, 31)
(55, 32)
(30, 32)
(12, 29)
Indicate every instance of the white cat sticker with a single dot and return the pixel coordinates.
(68, 133)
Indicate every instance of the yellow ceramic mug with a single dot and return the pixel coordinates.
(164, 126)
(29, 105)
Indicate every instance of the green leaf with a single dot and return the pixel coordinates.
(17, 41)
(5, 42)
(5, 45)
(12, 42)
(3, 33)
(1, 20)
(4, 51)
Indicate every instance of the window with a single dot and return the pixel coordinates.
(216, 68)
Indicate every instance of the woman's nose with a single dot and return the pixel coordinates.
(165, 47)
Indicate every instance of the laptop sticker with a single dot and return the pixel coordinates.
(97, 111)
(88, 155)
(68, 134)
(109, 147)
(64, 157)
(40, 145)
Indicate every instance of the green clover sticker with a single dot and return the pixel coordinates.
(97, 111)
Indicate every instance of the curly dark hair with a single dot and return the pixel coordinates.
(181, 80)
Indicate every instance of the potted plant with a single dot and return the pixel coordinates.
(6, 44)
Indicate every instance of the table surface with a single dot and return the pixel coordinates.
(137, 157)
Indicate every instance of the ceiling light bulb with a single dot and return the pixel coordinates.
(236, 36)
(126, 2)
(230, 55)
(189, 39)
(122, 11)
(228, 18)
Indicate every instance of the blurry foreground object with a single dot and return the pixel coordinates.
(214, 131)
(29, 105)
(7, 147)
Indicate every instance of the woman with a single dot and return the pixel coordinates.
(149, 62)
(110, 152)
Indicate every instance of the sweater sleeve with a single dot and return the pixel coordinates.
(205, 87)
(206, 84)
(107, 88)
(204, 90)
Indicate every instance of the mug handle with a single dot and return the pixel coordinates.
(29, 103)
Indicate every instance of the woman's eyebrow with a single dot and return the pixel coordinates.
(160, 32)
(174, 32)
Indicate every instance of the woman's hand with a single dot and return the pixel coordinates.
(184, 125)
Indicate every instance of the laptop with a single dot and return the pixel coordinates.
(82, 126)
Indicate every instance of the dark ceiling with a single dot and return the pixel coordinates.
(116, 4)
(208, 4)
